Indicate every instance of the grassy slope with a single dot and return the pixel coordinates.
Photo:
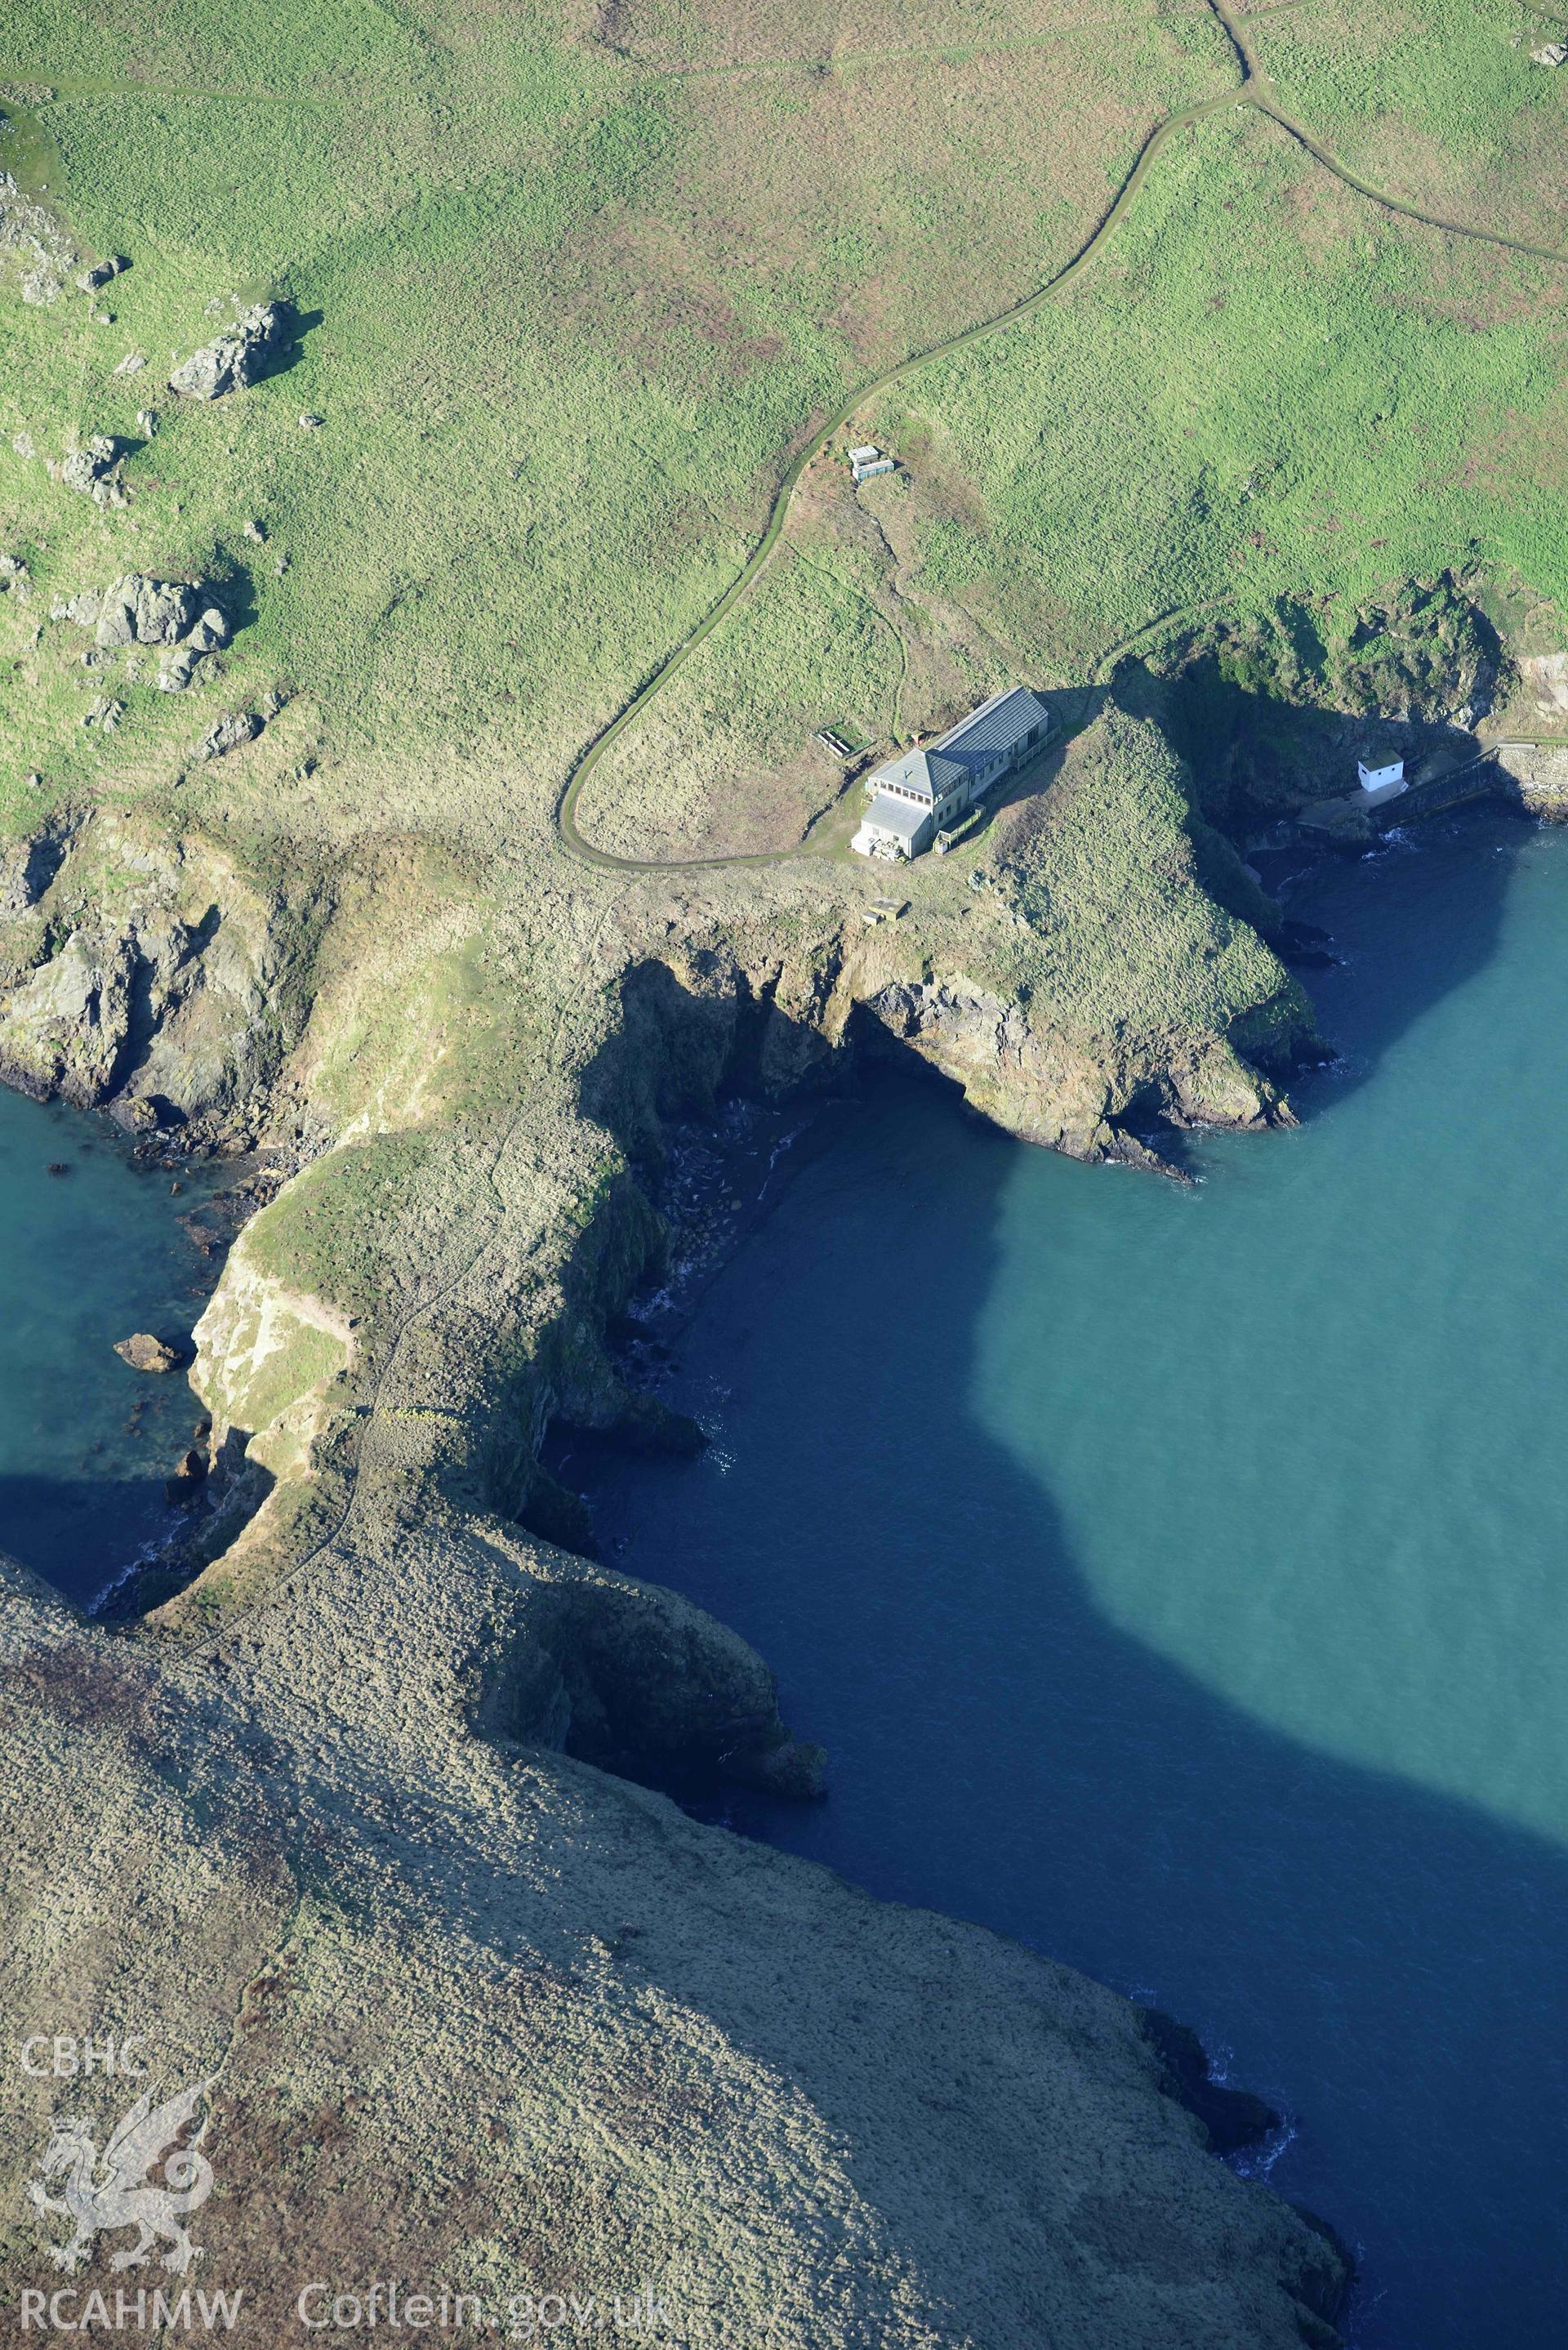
(564, 316)
(564, 324)
(1266, 387)
(1433, 101)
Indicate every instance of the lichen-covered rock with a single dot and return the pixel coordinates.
(138, 611)
(232, 359)
(209, 630)
(88, 468)
(228, 733)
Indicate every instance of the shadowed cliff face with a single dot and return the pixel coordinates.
(1094, 1690)
(473, 2014)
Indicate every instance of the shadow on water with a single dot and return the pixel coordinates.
(1384, 1963)
(77, 1532)
(1485, 838)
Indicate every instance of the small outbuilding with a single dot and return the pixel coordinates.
(867, 460)
(1381, 782)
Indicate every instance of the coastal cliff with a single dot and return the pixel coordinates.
(362, 1671)
(478, 2015)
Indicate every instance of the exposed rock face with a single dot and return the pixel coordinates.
(233, 359)
(476, 2013)
(139, 612)
(30, 232)
(180, 996)
(1546, 676)
(143, 1352)
(227, 734)
(92, 471)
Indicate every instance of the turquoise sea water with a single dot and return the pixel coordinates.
(1179, 1577)
(86, 1258)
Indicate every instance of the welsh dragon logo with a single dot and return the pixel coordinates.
(102, 2193)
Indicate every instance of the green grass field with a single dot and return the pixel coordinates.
(565, 316)
(570, 293)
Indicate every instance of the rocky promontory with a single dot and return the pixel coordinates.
(384, 1761)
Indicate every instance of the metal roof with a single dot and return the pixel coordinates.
(998, 724)
(920, 772)
(903, 819)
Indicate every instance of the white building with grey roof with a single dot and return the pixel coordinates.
(913, 798)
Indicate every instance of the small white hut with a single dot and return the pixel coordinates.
(1381, 782)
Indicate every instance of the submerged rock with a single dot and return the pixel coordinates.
(233, 359)
(143, 1352)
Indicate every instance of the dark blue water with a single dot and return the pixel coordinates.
(86, 1258)
(1179, 1579)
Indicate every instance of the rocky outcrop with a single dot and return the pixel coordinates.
(179, 615)
(473, 2014)
(134, 610)
(173, 992)
(92, 469)
(1033, 1083)
(228, 733)
(143, 1352)
(233, 359)
(31, 235)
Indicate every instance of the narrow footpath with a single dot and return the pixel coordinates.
(1255, 90)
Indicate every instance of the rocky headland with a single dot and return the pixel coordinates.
(460, 1981)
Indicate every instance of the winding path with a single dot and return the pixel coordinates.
(1255, 90)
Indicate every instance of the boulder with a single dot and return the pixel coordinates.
(178, 669)
(209, 631)
(84, 469)
(135, 611)
(239, 726)
(233, 359)
(90, 280)
(143, 1352)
